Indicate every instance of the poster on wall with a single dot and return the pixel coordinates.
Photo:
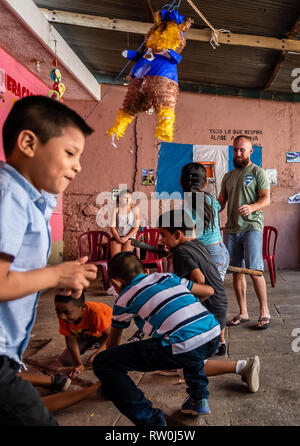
(293, 157)
(114, 193)
(272, 175)
(147, 177)
(294, 199)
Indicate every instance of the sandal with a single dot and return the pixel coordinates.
(264, 326)
(238, 319)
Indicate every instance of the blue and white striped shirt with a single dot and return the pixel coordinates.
(163, 306)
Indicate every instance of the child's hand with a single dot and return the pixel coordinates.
(75, 371)
(91, 358)
(73, 276)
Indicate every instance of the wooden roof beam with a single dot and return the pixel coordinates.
(292, 34)
(130, 26)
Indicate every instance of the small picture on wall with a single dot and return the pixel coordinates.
(148, 177)
(115, 193)
(272, 175)
(293, 157)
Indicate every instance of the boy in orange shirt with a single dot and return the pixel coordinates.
(83, 324)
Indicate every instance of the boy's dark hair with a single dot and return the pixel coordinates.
(126, 266)
(193, 179)
(43, 116)
(69, 299)
(176, 220)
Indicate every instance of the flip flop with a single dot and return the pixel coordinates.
(237, 319)
(264, 326)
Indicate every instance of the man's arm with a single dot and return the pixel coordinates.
(102, 344)
(202, 291)
(222, 201)
(199, 289)
(73, 276)
(114, 338)
(260, 204)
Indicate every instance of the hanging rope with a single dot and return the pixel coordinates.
(113, 82)
(171, 6)
(214, 41)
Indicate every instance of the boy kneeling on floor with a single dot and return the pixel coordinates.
(183, 334)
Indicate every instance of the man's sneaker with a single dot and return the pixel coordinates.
(250, 373)
(193, 407)
(59, 383)
(138, 336)
(221, 350)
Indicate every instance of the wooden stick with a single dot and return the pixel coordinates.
(251, 272)
(147, 247)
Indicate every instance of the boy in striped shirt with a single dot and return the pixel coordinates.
(182, 334)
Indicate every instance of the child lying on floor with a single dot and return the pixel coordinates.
(83, 324)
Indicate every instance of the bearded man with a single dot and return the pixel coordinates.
(247, 191)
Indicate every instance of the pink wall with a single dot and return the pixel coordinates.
(197, 116)
(20, 82)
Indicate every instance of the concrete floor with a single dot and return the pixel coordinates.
(277, 403)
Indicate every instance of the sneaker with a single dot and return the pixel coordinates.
(193, 407)
(111, 291)
(138, 336)
(59, 383)
(250, 373)
(221, 350)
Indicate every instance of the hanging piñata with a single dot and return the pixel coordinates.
(154, 77)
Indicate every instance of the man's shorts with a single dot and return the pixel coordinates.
(245, 249)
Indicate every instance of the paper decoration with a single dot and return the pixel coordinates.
(114, 193)
(293, 157)
(294, 199)
(2, 85)
(272, 175)
(58, 88)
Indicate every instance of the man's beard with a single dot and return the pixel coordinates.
(241, 164)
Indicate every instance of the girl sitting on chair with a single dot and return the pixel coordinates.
(125, 223)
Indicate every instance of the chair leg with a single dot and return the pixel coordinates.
(273, 273)
(160, 268)
(105, 277)
(271, 268)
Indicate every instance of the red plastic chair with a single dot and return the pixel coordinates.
(269, 247)
(96, 247)
(151, 236)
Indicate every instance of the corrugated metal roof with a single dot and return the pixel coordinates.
(233, 66)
